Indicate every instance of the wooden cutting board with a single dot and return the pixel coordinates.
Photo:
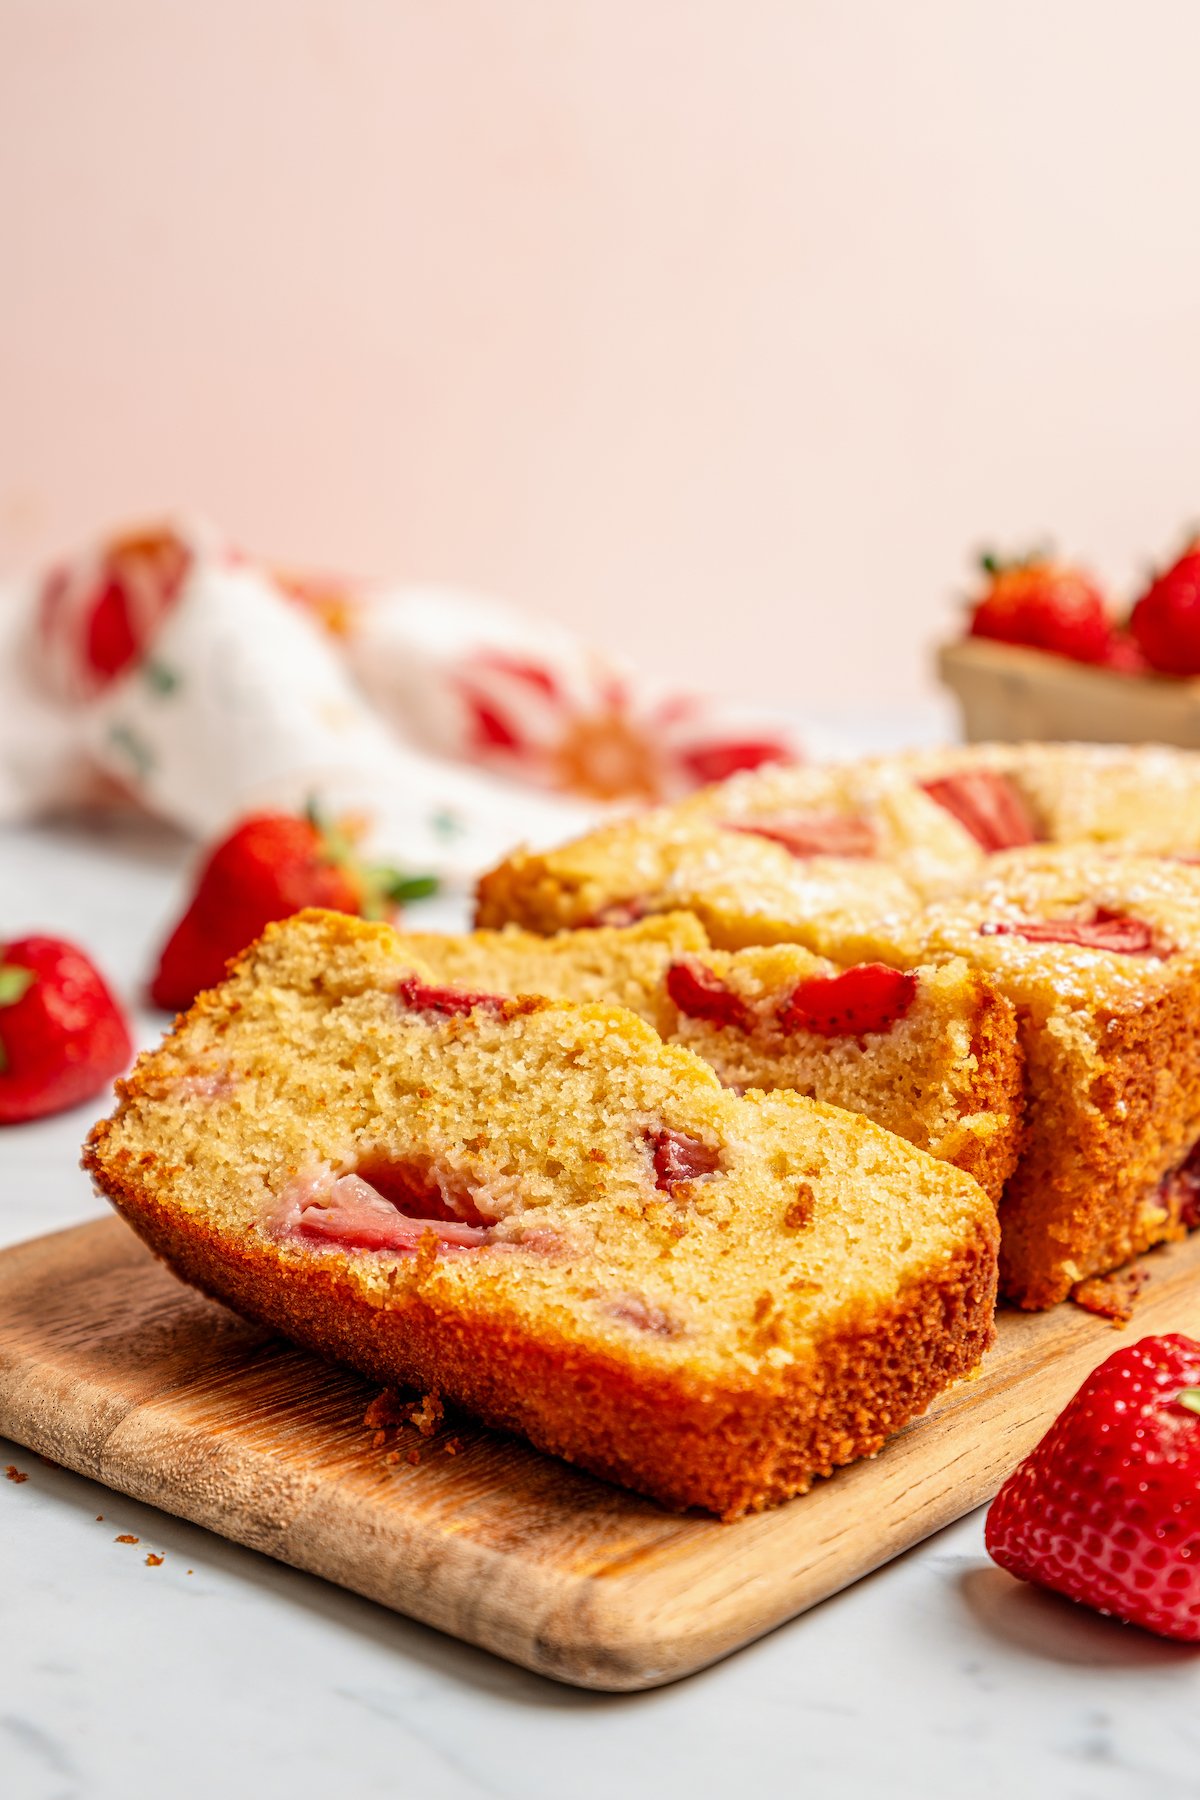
(113, 1368)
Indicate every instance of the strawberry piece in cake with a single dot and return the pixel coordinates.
(867, 998)
(699, 992)
(680, 1158)
(1098, 929)
(988, 804)
(814, 834)
(660, 1289)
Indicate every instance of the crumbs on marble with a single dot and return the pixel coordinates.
(126, 1537)
(154, 1561)
(12, 1473)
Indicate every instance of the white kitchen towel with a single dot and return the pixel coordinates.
(200, 685)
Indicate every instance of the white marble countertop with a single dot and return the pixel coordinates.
(939, 1676)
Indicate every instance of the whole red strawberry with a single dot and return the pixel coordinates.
(1166, 620)
(1106, 1509)
(1045, 605)
(62, 1035)
(270, 866)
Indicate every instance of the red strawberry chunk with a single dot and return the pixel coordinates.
(631, 1309)
(352, 1213)
(416, 995)
(1106, 1508)
(680, 1157)
(699, 992)
(812, 834)
(1105, 930)
(620, 914)
(868, 997)
(987, 805)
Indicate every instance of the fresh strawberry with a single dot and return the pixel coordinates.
(812, 834)
(868, 997)
(270, 866)
(1106, 1509)
(988, 805)
(1045, 605)
(699, 993)
(1166, 620)
(62, 1035)
(1115, 932)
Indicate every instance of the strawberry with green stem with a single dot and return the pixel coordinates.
(270, 866)
(1043, 604)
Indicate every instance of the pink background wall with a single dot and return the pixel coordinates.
(718, 328)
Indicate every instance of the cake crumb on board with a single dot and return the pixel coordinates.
(1112, 1296)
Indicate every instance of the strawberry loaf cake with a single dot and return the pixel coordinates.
(1063, 876)
(550, 1215)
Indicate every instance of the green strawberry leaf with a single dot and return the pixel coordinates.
(379, 883)
(14, 981)
(316, 815)
(407, 887)
(1190, 1397)
(158, 677)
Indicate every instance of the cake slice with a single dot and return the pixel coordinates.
(551, 1217)
(931, 1054)
(1100, 955)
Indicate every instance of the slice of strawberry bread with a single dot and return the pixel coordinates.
(930, 1053)
(1100, 955)
(551, 1217)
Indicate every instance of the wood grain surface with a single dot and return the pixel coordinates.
(113, 1368)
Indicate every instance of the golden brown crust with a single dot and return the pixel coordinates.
(998, 1088)
(1085, 1196)
(732, 1450)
